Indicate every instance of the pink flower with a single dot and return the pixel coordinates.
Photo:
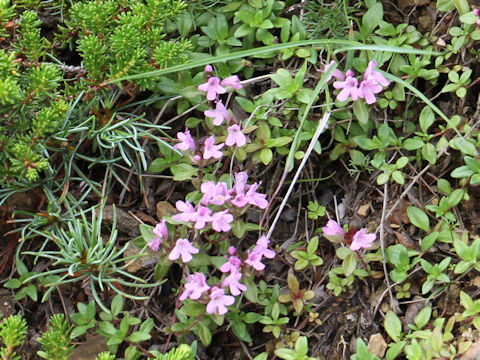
(219, 301)
(476, 12)
(232, 81)
(367, 90)
(187, 211)
(232, 282)
(208, 69)
(260, 250)
(349, 87)
(255, 260)
(233, 264)
(201, 217)
(211, 150)
(219, 114)
(333, 229)
(478, 22)
(371, 74)
(240, 182)
(183, 249)
(337, 74)
(255, 198)
(362, 240)
(215, 194)
(186, 141)
(212, 87)
(221, 221)
(195, 286)
(240, 200)
(262, 247)
(161, 232)
(235, 136)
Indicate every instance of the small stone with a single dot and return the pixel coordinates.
(363, 210)
(377, 345)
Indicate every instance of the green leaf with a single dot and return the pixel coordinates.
(413, 144)
(204, 333)
(429, 153)
(266, 156)
(286, 354)
(117, 305)
(423, 317)
(466, 301)
(138, 336)
(282, 78)
(349, 264)
(252, 317)
(398, 177)
(279, 142)
(393, 326)
(252, 291)
(418, 218)
(445, 5)
(383, 178)
(183, 171)
(371, 19)
(361, 112)
(455, 197)
(238, 228)
(429, 240)
(469, 18)
(461, 172)
(426, 119)
(13, 284)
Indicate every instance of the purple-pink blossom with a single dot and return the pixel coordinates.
(362, 240)
(195, 286)
(260, 250)
(367, 90)
(187, 211)
(235, 136)
(184, 249)
(337, 74)
(215, 194)
(255, 198)
(161, 232)
(349, 87)
(476, 12)
(255, 260)
(221, 221)
(213, 88)
(232, 282)
(333, 229)
(232, 81)
(211, 150)
(372, 74)
(186, 141)
(233, 264)
(219, 301)
(219, 114)
(262, 247)
(201, 217)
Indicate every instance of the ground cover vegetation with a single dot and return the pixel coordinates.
(246, 179)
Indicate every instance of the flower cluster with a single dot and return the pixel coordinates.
(220, 114)
(357, 239)
(216, 211)
(217, 301)
(371, 83)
